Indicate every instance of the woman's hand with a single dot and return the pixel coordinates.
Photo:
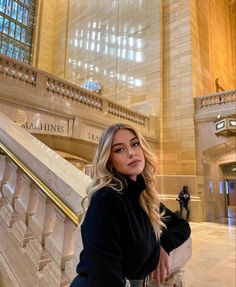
(162, 271)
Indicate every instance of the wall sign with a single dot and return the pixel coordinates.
(36, 122)
(90, 133)
(48, 127)
(220, 125)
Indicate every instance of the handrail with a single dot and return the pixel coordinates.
(58, 202)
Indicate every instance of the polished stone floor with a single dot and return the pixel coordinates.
(213, 261)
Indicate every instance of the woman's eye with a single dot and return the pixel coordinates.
(118, 150)
(135, 144)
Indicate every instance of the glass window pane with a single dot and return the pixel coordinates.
(1, 23)
(15, 52)
(4, 45)
(23, 34)
(14, 10)
(17, 24)
(18, 32)
(8, 8)
(21, 55)
(6, 26)
(25, 16)
(20, 13)
(10, 50)
(2, 5)
(12, 29)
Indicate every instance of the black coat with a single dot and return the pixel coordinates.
(119, 241)
(184, 197)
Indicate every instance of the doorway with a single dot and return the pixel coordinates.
(229, 171)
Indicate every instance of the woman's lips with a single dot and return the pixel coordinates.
(134, 162)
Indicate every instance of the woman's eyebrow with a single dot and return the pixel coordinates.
(123, 143)
(134, 138)
(116, 144)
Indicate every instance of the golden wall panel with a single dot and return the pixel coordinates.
(178, 137)
(118, 44)
(214, 46)
(60, 38)
(44, 40)
(50, 44)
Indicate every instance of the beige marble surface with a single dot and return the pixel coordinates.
(58, 174)
(213, 260)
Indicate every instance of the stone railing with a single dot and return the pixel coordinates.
(45, 83)
(216, 99)
(207, 108)
(24, 73)
(39, 209)
(41, 223)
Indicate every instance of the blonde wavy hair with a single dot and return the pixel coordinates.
(104, 175)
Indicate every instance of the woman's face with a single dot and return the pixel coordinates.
(127, 156)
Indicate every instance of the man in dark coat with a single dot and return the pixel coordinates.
(184, 198)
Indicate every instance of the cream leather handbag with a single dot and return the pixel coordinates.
(177, 259)
(180, 256)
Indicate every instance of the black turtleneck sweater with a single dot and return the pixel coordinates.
(118, 239)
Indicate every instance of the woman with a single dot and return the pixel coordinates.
(125, 235)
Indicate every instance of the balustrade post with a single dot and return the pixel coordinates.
(41, 82)
(24, 206)
(4, 67)
(105, 105)
(8, 190)
(60, 245)
(70, 266)
(41, 223)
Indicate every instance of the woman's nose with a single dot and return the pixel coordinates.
(130, 153)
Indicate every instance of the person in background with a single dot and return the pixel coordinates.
(126, 233)
(184, 198)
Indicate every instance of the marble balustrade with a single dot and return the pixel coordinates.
(208, 108)
(216, 99)
(45, 233)
(43, 82)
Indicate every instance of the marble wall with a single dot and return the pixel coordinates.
(44, 35)
(213, 46)
(50, 37)
(177, 132)
(117, 43)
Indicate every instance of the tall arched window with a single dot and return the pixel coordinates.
(16, 28)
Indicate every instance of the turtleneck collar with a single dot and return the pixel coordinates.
(134, 188)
